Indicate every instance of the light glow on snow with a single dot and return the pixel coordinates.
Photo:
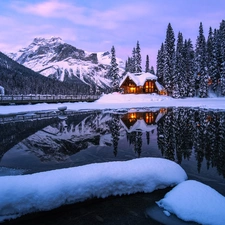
(44, 191)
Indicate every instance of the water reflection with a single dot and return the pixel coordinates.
(186, 130)
(192, 137)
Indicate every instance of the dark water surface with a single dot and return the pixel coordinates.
(192, 137)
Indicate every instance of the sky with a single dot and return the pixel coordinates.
(97, 25)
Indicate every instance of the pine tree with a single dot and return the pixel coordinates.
(179, 79)
(152, 71)
(222, 50)
(129, 65)
(147, 70)
(133, 62)
(169, 55)
(189, 67)
(209, 53)
(160, 64)
(138, 58)
(200, 63)
(126, 66)
(114, 71)
(215, 76)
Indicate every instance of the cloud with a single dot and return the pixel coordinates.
(50, 8)
(107, 19)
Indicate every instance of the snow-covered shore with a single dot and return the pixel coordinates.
(118, 101)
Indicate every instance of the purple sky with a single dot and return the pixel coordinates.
(96, 25)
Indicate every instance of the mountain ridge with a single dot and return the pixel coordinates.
(56, 59)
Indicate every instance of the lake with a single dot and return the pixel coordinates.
(192, 137)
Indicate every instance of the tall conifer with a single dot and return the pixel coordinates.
(169, 55)
(147, 64)
(138, 58)
(200, 63)
(114, 71)
(160, 64)
(222, 50)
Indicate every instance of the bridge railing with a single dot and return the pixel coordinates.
(25, 99)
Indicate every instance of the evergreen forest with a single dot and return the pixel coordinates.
(187, 71)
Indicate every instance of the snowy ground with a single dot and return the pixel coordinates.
(47, 190)
(189, 200)
(118, 101)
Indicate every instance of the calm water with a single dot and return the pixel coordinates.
(193, 138)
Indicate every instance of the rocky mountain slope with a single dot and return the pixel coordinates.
(17, 79)
(56, 59)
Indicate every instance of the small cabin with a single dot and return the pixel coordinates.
(141, 83)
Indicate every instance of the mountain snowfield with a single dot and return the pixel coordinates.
(55, 58)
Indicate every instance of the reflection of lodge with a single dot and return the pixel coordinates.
(142, 121)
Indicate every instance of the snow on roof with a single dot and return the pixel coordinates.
(140, 125)
(44, 191)
(139, 79)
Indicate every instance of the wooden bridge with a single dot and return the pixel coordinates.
(33, 99)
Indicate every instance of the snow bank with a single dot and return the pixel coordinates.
(2, 90)
(132, 98)
(47, 190)
(194, 201)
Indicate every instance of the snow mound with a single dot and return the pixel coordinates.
(47, 190)
(194, 201)
(117, 97)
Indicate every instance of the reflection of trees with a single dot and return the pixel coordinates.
(184, 129)
(182, 120)
(148, 137)
(114, 126)
(138, 143)
(165, 136)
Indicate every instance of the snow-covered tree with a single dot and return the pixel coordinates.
(138, 58)
(147, 68)
(189, 67)
(133, 62)
(152, 70)
(222, 50)
(169, 55)
(114, 71)
(209, 53)
(160, 64)
(200, 63)
(215, 70)
(179, 79)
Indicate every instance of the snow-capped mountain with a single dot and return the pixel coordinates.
(55, 58)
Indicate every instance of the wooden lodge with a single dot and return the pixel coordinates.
(141, 83)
